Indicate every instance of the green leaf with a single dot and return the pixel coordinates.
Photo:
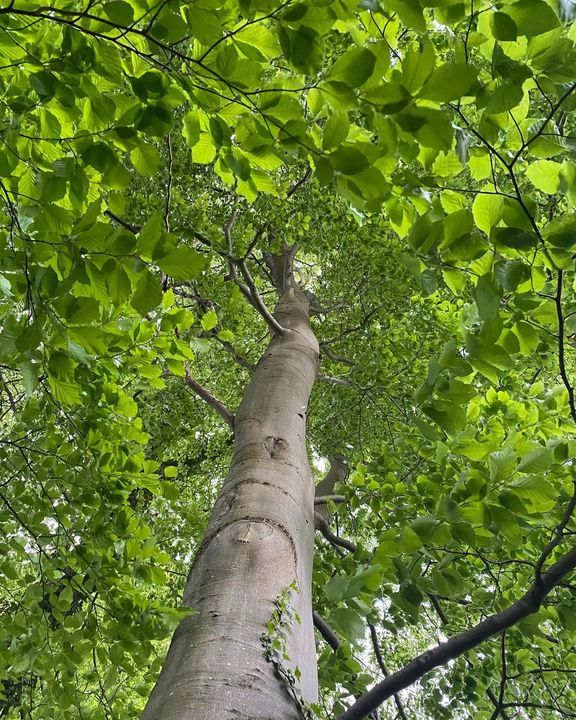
(335, 130)
(536, 461)
(209, 320)
(67, 393)
(119, 12)
(354, 67)
(155, 120)
(410, 12)
(191, 128)
(302, 48)
(501, 465)
(146, 159)
(532, 17)
(544, 175)
(487, 296)
(568, 181)
(503, 26)
(448, 415)
(409, 540)
(527, 337)
(183, 263)
(417, 65)
(561, 232)
(449, 82)
(100, 156)
(515, 238)
(29, 372)
(389, 97)
(487, 211)
(349, 622)
(505, 96)
(204, 23)
(348, 160)
(148, 294)
(511, 273)
(44, 83)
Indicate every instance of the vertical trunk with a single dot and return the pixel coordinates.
(259, 540)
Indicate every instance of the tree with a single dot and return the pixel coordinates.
(160, 164)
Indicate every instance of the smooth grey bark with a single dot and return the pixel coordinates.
(259, 540)
(337, 473)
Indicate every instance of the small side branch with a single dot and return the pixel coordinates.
(334, 357)
(257, 301)
(123, 223)
(561, 359)
(325, 489)
(298, 184)
(168, 203)
(240, 359)
(205, 395)
(335, 381)
(558, 534)
(322, 525)
(323, 499)
(334, 641)
(249, 289)
(384, 669)
(326, 631)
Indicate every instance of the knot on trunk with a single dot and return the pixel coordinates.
(275, 445)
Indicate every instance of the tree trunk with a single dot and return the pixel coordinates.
(259, 540)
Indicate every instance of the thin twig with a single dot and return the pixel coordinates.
(558, 535)
(126, 225)
(384, 669)
(166, 216)
(257, 301)
(561, 359)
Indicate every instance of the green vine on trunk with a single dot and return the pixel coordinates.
(274, 641)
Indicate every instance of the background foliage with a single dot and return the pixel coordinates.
(142, 144)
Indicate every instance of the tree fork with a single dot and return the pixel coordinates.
(259, 540)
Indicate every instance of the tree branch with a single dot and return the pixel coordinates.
(322, 525)
(558, 534)
(561, 359)
(326, 631)
(528, 604)
(323, 499)
(384, 669)
(118, 220)
(205, 395)
(257, 301)
(336, 358)
(334, 641)
(435, 600)
(167, 205)
(335, 381)
(240, 359)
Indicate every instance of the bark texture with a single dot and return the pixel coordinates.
(337, 473)
(260, 539)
